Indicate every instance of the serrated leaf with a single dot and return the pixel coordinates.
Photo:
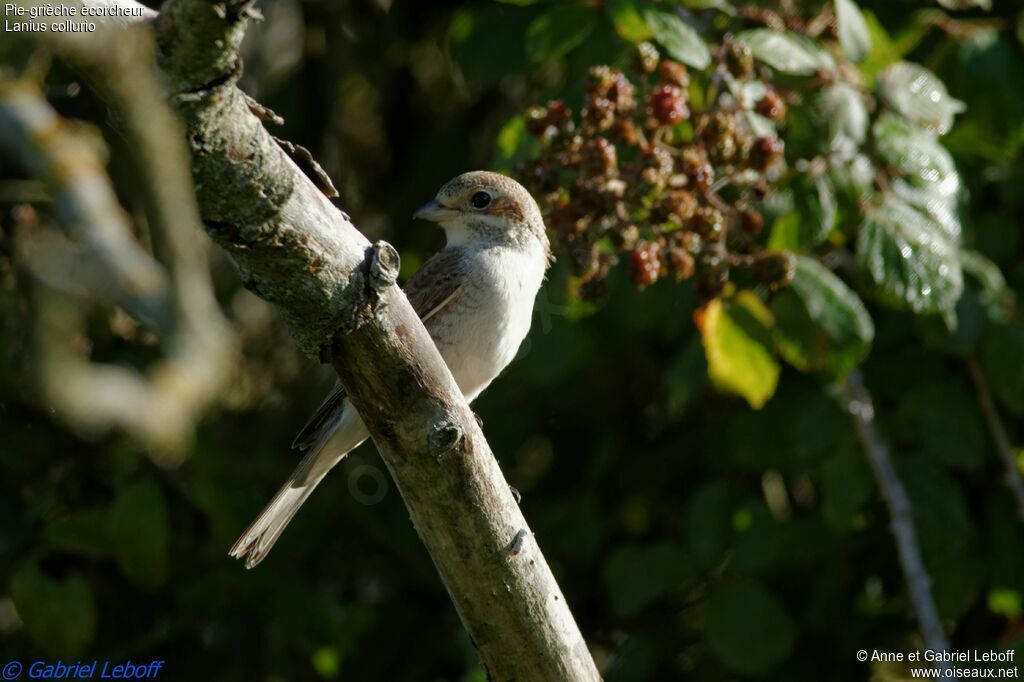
(854, 177)
(59, 615)
(842, 108)
(854, 36)
(637, 576)
(941, 209)
(628, 21)
(821, 325)
(786, 52)
(139, 533)
(908, 260)
(995, 295)
(678, 38)
(747, 628)
(738, 345)
(917, 154)
(558, 31)
(919, 95)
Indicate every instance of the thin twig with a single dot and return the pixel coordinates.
(861, 409)
(998, 431)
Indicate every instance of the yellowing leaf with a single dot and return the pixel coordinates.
(738, 345)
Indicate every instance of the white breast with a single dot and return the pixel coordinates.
(482, 331)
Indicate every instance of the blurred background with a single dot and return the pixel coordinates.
(693, 536)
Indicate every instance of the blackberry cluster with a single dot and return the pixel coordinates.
(645, 174)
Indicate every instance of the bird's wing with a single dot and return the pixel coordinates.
(436, 284)
(325, 415)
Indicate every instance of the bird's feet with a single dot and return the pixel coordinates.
(479, 420)
(516, 495)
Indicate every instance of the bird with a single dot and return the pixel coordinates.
(475, 297)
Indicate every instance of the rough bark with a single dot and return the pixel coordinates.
(337, 293)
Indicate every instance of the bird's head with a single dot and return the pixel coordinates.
(481, 205)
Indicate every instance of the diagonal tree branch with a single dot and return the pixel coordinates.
(338, 295)
(998, 432)
(862, 410)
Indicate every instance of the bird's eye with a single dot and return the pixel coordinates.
(480, 200)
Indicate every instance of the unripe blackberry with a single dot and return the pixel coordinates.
(765, 152)
(668, 105)
(600, 158)
(647, 57)
(628, 132)
(674, 73)
(739, 60)
(600, 113)
(772, 106)
(645, 264)
(712, 274)
(681, 203)
(708, 222)
(698, 169)
(680, 261)
(536, 119)
(751, 221)
(606, 83)
(776, 270)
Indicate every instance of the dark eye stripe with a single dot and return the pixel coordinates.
(480, 200)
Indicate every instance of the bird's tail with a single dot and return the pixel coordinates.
(256, 541)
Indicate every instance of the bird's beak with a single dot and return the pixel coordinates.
(434, 212)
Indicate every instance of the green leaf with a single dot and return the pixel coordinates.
(841, 107)
(708, 526)
(854, 36)
(942, 210)
(738, 345)
(558, 31)
(628, 21)
(940, 416)
(966, 4)
(686, 376)
(995, 294)
(637, 576)
(83, 533)
(820, 324)
(917, 154)
(139, 533)
(678, 38)
(846, 486)
(811, 218)
(908, 260)
(786, 52)
(511, 138)
(918, 94)
(721, 5)
(1003, 360)
(747, 628)
(59, 615)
